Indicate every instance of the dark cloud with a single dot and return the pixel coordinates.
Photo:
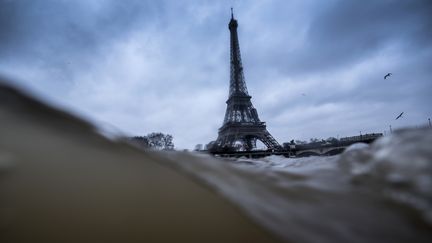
(354, 30)
(340, 33)
(58, 30)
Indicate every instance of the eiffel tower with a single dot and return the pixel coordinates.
(241, 123)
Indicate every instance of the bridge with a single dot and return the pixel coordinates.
(323, 148)
(326, 148)
(320, 151)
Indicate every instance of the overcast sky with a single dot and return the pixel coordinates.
(314, 68)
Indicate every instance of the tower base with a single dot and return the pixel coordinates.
(243, 136)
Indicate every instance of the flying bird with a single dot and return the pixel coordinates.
(400, 115)
(303, 94)
(387, 75)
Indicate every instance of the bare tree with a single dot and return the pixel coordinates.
(160, 141)
(155, 140)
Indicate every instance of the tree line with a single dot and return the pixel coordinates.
(155, 140)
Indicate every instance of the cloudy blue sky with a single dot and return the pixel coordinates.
(142, 66)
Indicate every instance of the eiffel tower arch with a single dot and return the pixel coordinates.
(241, 123)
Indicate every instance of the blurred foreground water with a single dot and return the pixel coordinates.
(62, 181)
(377, 193)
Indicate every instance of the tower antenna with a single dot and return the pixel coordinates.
(232, 13)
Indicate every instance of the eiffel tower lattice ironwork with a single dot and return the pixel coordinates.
(241, 123)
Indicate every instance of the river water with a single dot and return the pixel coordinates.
(370, 193)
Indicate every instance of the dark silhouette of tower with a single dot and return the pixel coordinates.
(241, 123)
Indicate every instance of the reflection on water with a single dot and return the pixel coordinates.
(376, 193)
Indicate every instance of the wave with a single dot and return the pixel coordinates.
(376, 193)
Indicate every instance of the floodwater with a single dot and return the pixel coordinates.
(61, 181)
(377, 193)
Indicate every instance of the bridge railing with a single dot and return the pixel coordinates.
(367, 136)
